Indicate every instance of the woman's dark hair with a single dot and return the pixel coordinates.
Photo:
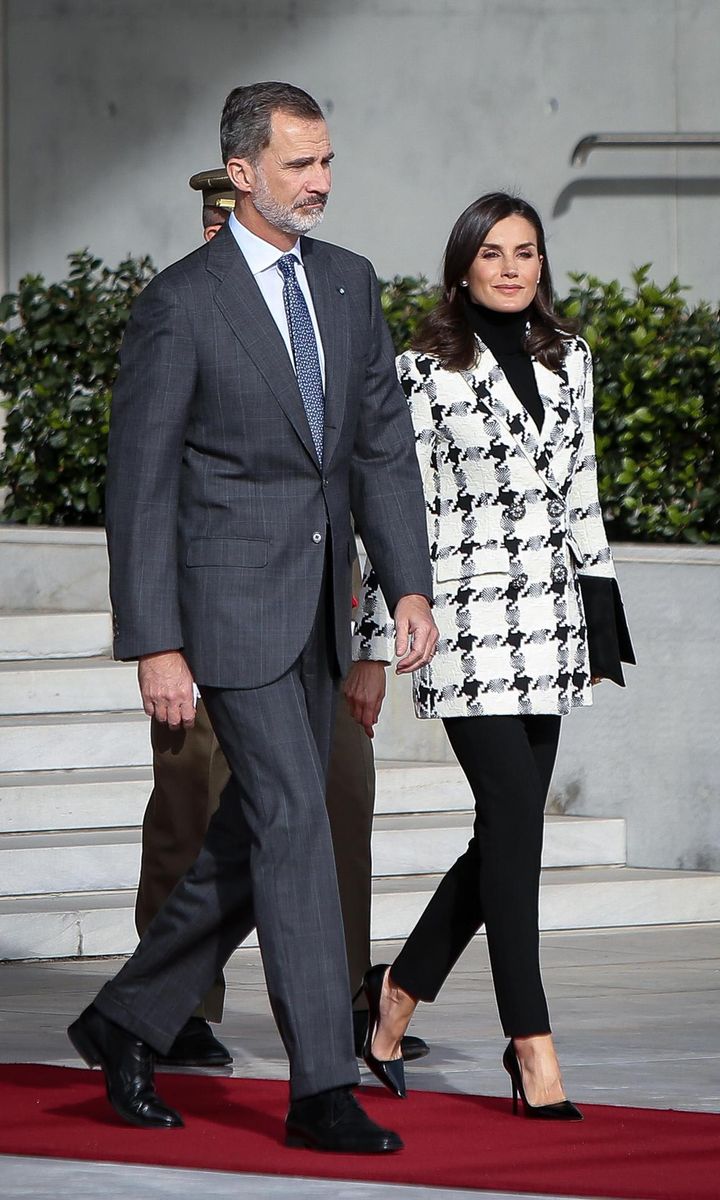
(446, 332)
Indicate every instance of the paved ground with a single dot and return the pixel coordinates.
(635, 1013)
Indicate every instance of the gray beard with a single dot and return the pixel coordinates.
(282, 216)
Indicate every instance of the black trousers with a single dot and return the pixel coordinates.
(508, 762)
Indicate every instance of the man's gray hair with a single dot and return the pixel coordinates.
(245, 125)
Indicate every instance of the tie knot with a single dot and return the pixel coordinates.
(287, 265)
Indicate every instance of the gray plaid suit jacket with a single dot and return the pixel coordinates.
(218, 510)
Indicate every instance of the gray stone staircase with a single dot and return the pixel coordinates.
(75, 777)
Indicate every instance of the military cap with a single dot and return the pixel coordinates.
(217, 190)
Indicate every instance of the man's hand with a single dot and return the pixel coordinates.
(364, 690)
(166, 687)
(416, 634)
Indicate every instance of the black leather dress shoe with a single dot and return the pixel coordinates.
(412, 1047)
(195, 1046)
(127, 1064)
(334, 1121)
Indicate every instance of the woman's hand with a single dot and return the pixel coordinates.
(416, 634)
(596, 679)
(364, 690)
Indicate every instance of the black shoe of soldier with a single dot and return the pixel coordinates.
(195, 1046)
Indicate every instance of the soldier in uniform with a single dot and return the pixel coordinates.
(218, 199)
(190, 772)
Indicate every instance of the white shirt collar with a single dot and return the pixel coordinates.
(259, 254)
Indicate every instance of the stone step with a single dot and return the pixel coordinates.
(583, 898)
(54, 635)
(85, 715)
(50, 742)
(84, 740)
(53, 569)
(425, 844)
(82, 861)
(108, 797)
(109, 859)
(96, 798)
(74, 685)
(94, 924)
(70, 926)
(425, 787)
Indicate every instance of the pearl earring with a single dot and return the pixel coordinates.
(463, 283)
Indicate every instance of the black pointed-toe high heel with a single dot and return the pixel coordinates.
(564, 1110)
(390, 1072)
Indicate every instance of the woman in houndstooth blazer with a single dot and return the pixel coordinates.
(500, 393)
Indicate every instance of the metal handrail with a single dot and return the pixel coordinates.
(629, 141)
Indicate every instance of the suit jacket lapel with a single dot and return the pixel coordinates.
(331, 310)
(241, 303)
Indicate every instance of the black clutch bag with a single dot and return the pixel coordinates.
(608, 636)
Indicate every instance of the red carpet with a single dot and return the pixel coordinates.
(451, 1141)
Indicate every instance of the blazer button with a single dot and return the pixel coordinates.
(556, 508)
(317, 537)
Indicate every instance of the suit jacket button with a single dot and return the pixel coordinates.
(317, 537)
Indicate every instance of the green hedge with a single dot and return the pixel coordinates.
(58, 361)
(657, 371)
(657, 416)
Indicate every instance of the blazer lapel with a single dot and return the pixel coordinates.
(491, 387)
(241, 303)
(331, 310)
(558, 427)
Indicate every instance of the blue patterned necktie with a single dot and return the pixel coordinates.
(305, 351)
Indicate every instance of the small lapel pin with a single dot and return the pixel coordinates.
(341, 291)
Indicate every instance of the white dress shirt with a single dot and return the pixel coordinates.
(262, 259)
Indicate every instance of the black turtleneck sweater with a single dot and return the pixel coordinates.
(503, 334)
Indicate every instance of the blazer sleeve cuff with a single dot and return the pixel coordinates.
(608, 636)
(379, 648)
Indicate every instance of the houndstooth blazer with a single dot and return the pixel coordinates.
(512, 516)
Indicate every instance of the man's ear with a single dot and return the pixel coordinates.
(241, 174)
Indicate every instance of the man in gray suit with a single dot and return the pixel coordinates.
(256, 406)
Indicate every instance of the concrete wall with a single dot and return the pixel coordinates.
(648, 753)
(112, 104)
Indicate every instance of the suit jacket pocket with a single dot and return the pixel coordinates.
(493, 560)
(227, 552)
